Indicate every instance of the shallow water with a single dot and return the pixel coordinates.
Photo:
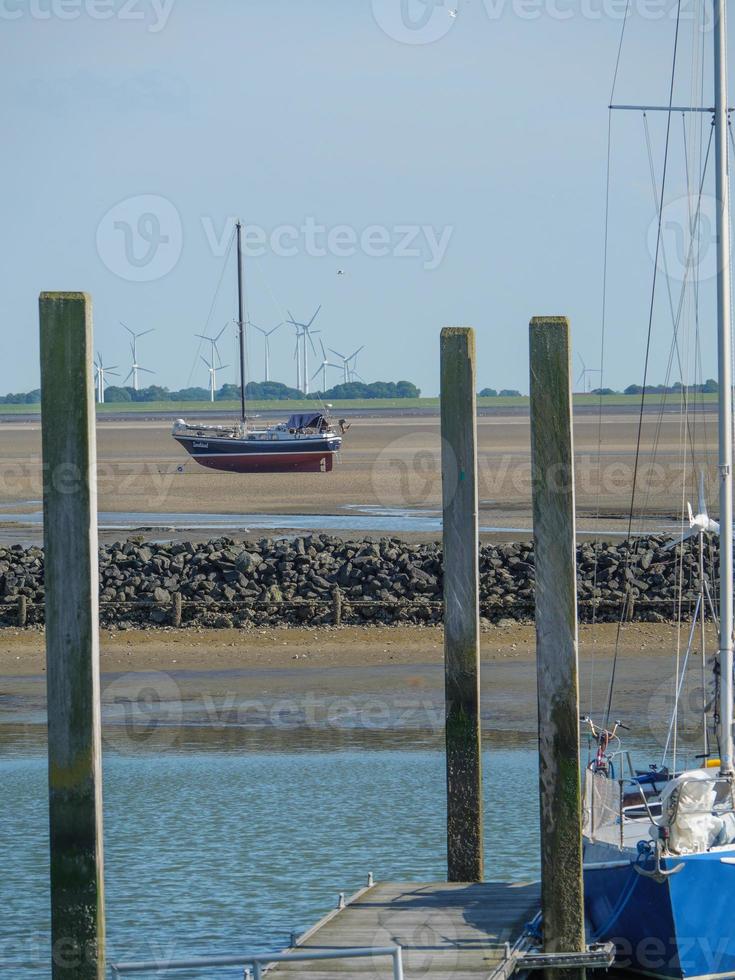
(227, 851)
(391, 520)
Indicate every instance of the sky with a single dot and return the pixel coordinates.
(407, 164)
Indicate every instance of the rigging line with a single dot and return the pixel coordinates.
(648, 338)
(677, 319)
(603, 321)
(225, 264)
(676, 316)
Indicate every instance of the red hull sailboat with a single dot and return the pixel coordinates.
(306, 442)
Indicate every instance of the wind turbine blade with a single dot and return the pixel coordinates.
(324, 353)
(315, 316)
(681, 540)
(273, 329)
(356, 352)
(147, 370)
(337, 353)
(308, 334)
(127, 328)
(691, 515)
(127, 376)
(206, 362)
(318, 371)
(215, 339)
(150, 330)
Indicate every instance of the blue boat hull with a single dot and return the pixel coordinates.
(683, 927)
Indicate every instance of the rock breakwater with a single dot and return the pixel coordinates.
(320, 580)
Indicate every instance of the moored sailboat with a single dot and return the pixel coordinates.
(659, 874)
(306, 442)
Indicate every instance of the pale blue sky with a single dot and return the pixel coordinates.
(284, 112)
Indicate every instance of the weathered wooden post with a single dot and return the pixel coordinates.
(176, 610)
(337, 606)
(552, 468)
(72, 642)
(461, 606)
(22, 611)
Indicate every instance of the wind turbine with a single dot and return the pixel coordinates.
(349, 373)
(306, 334)
(323, 368)
(212, 341)
(266, 336)
(213, 369)
(700, 523)
(134, 351)
(583, 374)
(297, 357)
(99, 380)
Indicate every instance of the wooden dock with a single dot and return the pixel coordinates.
(447, 931)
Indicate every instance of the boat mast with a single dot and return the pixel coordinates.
(240, 320)
(724, 346)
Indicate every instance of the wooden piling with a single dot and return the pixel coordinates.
(22, 611)
(176, 610)
(337, 606)
(461, 606)
(552, 470)
(72, 642)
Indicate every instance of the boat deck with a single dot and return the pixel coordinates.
(447, 931)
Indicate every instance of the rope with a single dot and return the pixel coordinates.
(603, 315)
(636, 463)
(211, 308)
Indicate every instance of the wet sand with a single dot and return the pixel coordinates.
(400, 667)
(386, 463)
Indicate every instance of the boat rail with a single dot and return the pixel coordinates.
(607, 815)
(258, 962)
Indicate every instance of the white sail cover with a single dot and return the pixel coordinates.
(688, 811)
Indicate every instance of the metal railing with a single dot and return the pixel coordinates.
(257, 961)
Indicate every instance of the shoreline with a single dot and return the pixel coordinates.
(287, 687)
(206, 649)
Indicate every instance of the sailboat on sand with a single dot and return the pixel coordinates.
(306, 442)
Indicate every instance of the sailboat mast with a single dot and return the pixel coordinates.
(724, 345)
(241, 320)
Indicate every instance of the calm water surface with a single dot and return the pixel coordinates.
(225, 850)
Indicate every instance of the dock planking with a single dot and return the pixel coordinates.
(455, 930)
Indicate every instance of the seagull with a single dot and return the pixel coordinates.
(453, 13)
(340, 272)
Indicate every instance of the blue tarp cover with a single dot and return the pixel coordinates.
(305, 420)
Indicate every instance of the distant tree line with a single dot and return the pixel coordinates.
(22, 398)
(265, 391)
(254, 390)
(710, 386)
(503, 393)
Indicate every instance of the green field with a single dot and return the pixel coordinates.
(197, 408)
